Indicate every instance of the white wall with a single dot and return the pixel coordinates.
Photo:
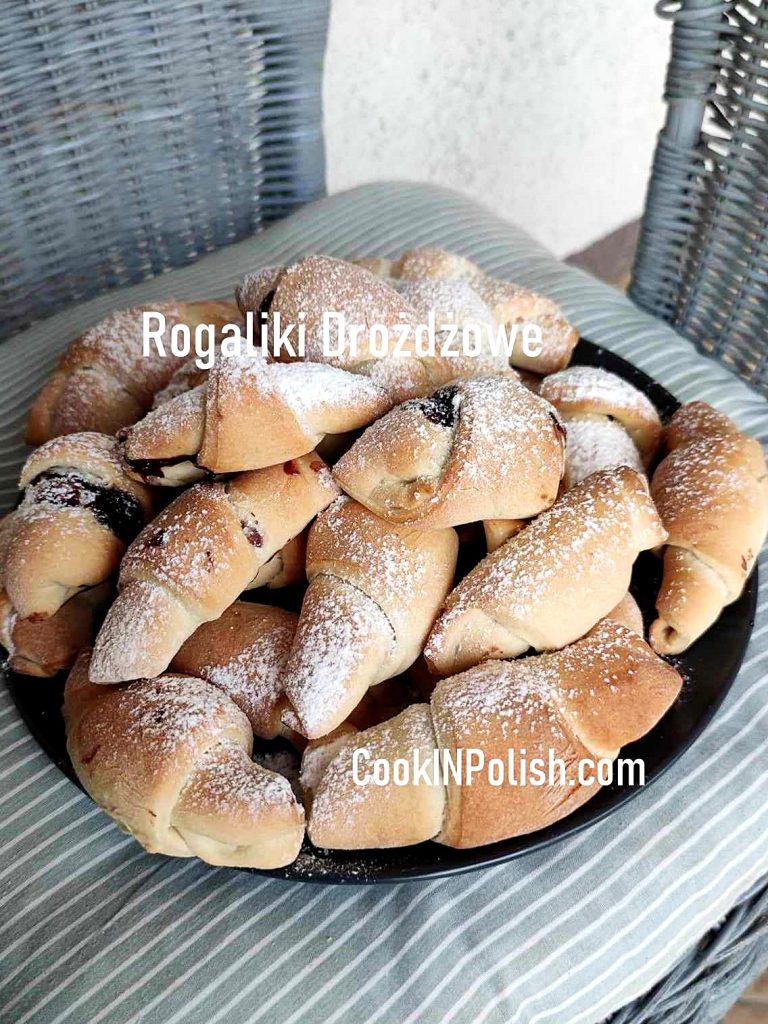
(546, 110)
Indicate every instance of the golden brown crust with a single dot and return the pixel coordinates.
(712, 494)
(509, 304)
(169, 759)
(582, 703)
(433, 262)
(103, 380)
(499, 531)
(259, 414)
(477, 449)
(197, 556)
(319, 284)
(628, 614)
(243, 653)
(357, 625)
(250, 414)
(694, 421)
(348, 816)
(512, 306)
(46, 647)
(586, 701)
(78, 513)
(554, 580)
(584, 393)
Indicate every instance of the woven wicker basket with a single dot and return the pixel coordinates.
(702, 262)
(702, 265)
(136, 136)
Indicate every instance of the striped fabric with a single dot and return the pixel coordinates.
(92, 929)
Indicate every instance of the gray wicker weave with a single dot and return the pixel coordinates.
(702, 262)
(706, 983)
(702, 265)
(135, 136)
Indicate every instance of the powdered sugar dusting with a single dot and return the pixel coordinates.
(235, 788)
(593, 386)
(170, 711)
(595, 444)
(584, 545)
(344, 639)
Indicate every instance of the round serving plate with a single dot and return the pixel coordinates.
(708, 668)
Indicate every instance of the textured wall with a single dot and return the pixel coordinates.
(546, 110)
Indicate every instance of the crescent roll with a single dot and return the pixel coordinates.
(243, 653)
(359, 624)
(250, 414)
(170, 760)
(609, 422)
(79, 512)
(104, 381)
(43, 647)
(712, 494)
(509, 304)
(486, 448)
(306, 292)
(582, 703)
(197, 556)
(554, 580)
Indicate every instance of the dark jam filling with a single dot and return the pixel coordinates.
(559, 425)
(440, 408)
(152, 469)
(266, 302)
(117, 510)
(252, 534)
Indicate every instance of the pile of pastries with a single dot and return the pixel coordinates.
(350, 487)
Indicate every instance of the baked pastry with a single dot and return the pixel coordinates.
(187, 377)
(584, 702)
(286, 567)
(103, 381)
(498, 531)
(510, 305)
(254, 294)
(554, 580)
(306, 291)
(347, 816)
(451, 303)
(628, 614)
(694, 421)
(712, 494)
(249, 415)
(609, 423)
(78, 514)
(45, 646)
(197, 556)
(243, 653)
(358, 624)
(170, 760)
(476, 449)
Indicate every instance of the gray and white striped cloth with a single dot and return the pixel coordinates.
(93, 929)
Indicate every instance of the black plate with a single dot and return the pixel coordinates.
(708, 668)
